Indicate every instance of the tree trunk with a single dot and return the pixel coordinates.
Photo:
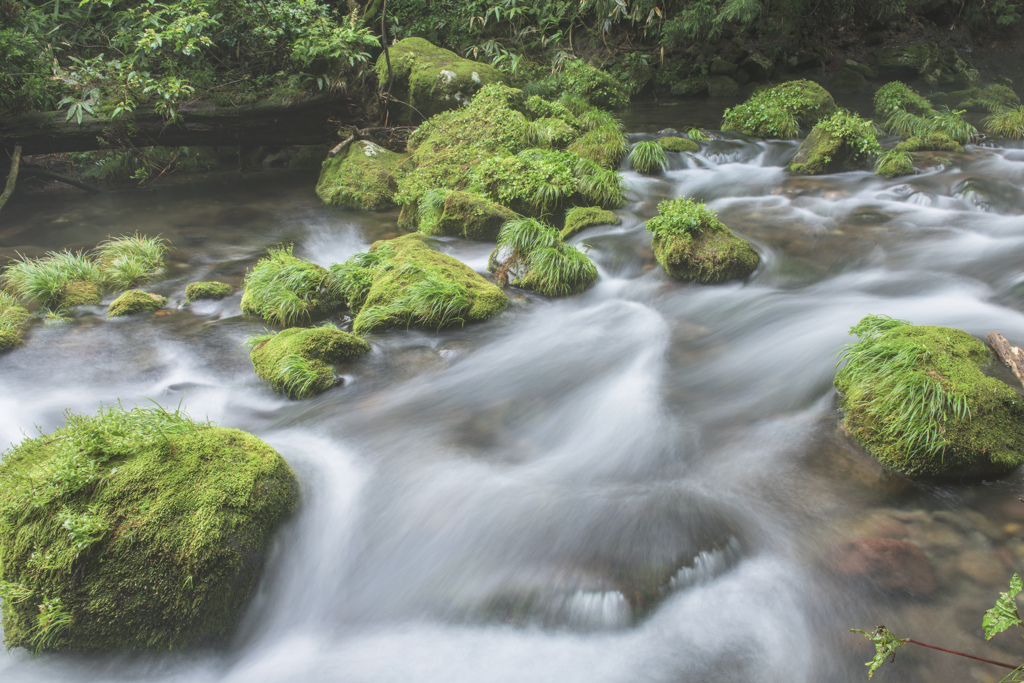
(312, 121)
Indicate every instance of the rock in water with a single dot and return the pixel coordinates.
(297, 362)
(916, 398)
(135, 301)
(365, 176)
(135, 529)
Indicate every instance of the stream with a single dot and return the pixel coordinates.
(644, 483)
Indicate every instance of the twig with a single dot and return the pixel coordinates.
(343, 145)
(962, 654)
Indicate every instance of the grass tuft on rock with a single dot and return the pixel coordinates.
(298, 362)
(780, 111)
(59, 280)
(691, 244)
(284, 289)
(647, 157)
(13, 319)
(1008, 123)
(128, 261)
(842, 141)
(531, 254)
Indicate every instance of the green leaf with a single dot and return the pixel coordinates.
(1004, 614)
(886, 645)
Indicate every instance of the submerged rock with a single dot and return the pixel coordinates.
(888, 564)
(135, 301)
(431, 79)
(916, 398)
(207, 290)
(135, 530)
(691, 244)
(297, 362)
(364, 176)
(841, 142)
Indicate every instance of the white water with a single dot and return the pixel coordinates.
(473, 499)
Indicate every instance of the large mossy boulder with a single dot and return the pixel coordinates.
(917, 399)
(135, 530)
(364, 176)
(841, 142)
(692, 245)
(135, 301)
(429, 79)
(285, 290)
(780, 111)
(299, 362)
(403, 282)
(461, 214)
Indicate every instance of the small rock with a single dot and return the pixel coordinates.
(983, 566)
(1012, 529)
(889, 564)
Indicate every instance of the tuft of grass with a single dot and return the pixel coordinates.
(1008, 123)
(48, 279)
(697, 135)
(435, 302)
(257, 339)
(893, 163)
(523, 235)
(297, 375)
(285, 290)
(943, 120)
(560, 270)
(603, 188)
(647, 157)
(130, 260)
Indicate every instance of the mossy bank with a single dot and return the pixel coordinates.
(135, 530)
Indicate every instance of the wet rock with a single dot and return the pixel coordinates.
(364, 176)
(888, 564)
(135, 301)
(722, 86)
(984, 567)
(842, 142)
(847, 80)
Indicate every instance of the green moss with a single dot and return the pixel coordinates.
(841, 142)
(917, 399)
(677, 144)
(582, 80)
(691, 244)
(412, 284)
(551, 132)
(297, 362)
(461, 214)
(430, 80)
(284, 289)
(895, 163)
(207, 290)
(135, 530)
(532, 255)
(780, 111)
(993, 98)
(9, 339)
(79, 293)
(932, 142)
(135, 301)
(585, 217)
(364, 176)
(605, 146)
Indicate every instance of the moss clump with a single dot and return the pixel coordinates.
(364, 176)
(403, 282)
(135, 530)
(461, 214)
(284, 289)
(13, 319)
(677, 144)
(532, 255)
(585, 217)
(932, 142)
(207, 290)
(135, 301)
(842, 142)
(297, 362)
(895, 163)
(431, 79)
(780, 111)
(917, 399)
(582, 80)
(691, 244)
(898, 96)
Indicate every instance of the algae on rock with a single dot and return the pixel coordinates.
(916, 397)
(841, 142)
(364, 176)
(135, 530)
(691, 244)
(135, 301)
(298, 362)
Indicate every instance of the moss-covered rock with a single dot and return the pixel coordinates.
(928, 61)
(583, 80)
(207, 290)
(917, 399)
(780, 111)
(531, 254)
(847, 80)
(895, 163)
(364, 176)
(585, 217)
(897, 96)
(461, 214)
(842, 142)
(604, 146)
(722, 86)
(135, 301)
(135, 530)
(13, 320)
(677, 144)
(691, 244)
(431, 79)
(403, 282)
(284, 289)
(933, 142)
(298, 362)
(994, 97)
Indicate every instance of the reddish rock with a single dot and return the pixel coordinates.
(887, 563)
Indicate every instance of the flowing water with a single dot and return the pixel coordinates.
(642, 483)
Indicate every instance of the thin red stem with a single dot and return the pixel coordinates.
(962, 654)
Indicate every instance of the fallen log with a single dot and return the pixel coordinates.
(306, 122)
(1011, 356)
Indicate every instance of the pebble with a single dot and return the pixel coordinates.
(888, 563)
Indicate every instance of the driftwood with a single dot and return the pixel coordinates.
(1012, 356)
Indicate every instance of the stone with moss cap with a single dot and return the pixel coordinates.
(673, 143)
(430, 79)
(585, 217)
(135, 530)
(780, 111)
(135, 301)
(403, 282)
(13, 320)
(592, 84)
(841, 142)
(917, 398)
(691, 244)
(461, 214)
(298, 362)
(364, 176)
(933, 142)
(207, 290)
(285, 289)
